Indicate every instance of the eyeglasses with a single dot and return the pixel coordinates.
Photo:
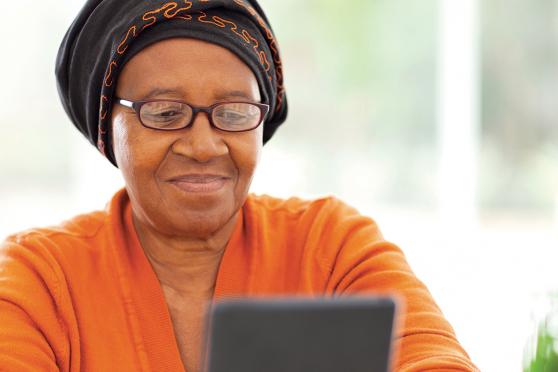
(175, 115)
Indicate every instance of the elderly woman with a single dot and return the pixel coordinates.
(181, 96)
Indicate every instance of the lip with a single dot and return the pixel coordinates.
(199, 183)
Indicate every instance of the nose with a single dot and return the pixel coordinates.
(200, 141)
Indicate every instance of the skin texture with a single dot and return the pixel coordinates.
(182, 232)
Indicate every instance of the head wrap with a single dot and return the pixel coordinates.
(107, 33)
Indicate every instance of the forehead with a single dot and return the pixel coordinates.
(190, 67)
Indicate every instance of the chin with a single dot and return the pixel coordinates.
(201, 223)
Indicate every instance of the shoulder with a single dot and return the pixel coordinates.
(71, 248)
(296, 206)
(323, 213)
(44, 251)
(321, 228)
(80, 234)
(80, 228)
(318, 242)
(40, 269)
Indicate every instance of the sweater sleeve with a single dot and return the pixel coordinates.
(32, 335)
(366, 263)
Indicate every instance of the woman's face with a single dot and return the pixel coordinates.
(188, 182)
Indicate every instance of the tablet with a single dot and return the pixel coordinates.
(301, 335)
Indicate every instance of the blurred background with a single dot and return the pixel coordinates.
(438, 118)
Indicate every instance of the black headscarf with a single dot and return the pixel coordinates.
(107, 33)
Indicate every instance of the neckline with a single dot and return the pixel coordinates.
(148, 313)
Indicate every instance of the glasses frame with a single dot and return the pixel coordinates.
(137, 105)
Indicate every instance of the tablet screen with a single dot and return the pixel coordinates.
(301, 335)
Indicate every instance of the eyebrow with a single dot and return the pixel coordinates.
(159, 92)
(219, 97)
(233, 94)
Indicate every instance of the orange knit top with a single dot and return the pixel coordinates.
(82, 296)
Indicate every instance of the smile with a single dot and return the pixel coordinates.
(200, 183)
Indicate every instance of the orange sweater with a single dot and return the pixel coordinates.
(83, 296)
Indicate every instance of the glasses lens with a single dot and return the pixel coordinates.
(165, 115)
(236, 116)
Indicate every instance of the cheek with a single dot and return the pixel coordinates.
(120, 142)
(132, 150)
(249, 154)
(128, 149)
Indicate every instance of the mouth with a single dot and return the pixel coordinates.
(200, 183)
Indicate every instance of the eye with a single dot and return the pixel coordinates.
(161, 111)
(164, 116)
(231, 115)
(159, 114)
(236, 116)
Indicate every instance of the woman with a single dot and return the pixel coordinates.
(181, 96)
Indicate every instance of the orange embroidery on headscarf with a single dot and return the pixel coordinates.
(264, 61)
(203, 19)
(272, 46)
(101, 146)
(259, 52)
(168, 8)
(233, 28)
(244, 35)
(130, 30)
(109, 73)
(168, 15)
(101, 128)
(255, 14)
(187, 17)
(152, 13)
(103, 110)
(170, 11)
